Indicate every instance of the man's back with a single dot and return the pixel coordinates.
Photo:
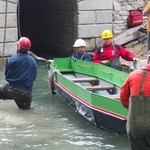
(21, 71)
(135, 80)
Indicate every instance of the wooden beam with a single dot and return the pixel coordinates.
(84, 79)
(129, 35)
(114, 96)
(102, 87)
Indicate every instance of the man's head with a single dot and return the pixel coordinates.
(107, 37)
(79, 45)
(24, 43)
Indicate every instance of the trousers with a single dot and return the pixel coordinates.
(138, 122)
(22, 98)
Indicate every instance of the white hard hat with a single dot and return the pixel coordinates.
(79, 42)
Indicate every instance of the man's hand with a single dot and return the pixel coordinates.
(135, 59)
(105, 62)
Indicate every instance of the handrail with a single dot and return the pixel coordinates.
(106, 72)
(84, 66)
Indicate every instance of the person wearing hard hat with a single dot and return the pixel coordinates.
(109, 53)
(135, 96)
(20, 73)
(79, 46)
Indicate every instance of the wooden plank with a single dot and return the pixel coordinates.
(114, 96)
(128, 38)
(102, 87)
(84, 79)
(129, 35)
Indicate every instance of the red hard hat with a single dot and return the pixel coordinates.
(24, 43)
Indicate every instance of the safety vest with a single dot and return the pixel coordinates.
(114, 63)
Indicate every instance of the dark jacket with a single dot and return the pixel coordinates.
(84, 56)
(21, 70)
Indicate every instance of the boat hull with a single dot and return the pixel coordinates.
(99, 118)
(92, 90)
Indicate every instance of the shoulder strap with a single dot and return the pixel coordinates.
(82, 55)
(116, 47)
(143, 81)
(101, 51)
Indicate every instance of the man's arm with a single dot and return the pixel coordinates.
(126, 54)
(96, 57)
(147, 9)
(146, 12)
(125, 94)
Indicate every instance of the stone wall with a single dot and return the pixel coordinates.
(121, 11)
(11, 32)
(98, 15)
(94, 16)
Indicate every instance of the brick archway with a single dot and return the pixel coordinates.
(51, 26)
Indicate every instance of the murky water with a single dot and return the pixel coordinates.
(51, 124)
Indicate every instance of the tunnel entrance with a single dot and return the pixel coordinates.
(50, 24)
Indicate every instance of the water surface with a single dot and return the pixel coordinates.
(51, 124)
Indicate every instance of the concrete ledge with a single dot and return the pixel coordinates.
(95, 5)
(87, 17)
(11, 35)
(10, 49)
(12, 7)
(11, 20)
(88, 31)
(104, 17)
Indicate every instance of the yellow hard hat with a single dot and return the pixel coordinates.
(106, 34)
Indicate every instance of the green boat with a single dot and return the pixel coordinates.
(92, 90)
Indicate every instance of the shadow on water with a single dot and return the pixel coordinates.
(51, 124)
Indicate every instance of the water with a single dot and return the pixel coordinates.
(51, 124)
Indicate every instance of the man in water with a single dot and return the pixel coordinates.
(20, 73)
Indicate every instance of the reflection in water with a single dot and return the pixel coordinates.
(51, 124)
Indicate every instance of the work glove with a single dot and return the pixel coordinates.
(105, 62)
(135, 59)
(73, 58)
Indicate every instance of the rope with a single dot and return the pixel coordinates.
(4, 39)
(84, 66)
(51, 80)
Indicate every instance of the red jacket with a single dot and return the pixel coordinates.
(131, 86)
(108, 54)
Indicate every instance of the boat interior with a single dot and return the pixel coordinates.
(94, 84)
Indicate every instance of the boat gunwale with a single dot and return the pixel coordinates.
(90, 105)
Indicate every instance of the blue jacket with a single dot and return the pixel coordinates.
(21, 70)
(86, 56)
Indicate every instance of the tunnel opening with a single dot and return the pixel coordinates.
(51, 25)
